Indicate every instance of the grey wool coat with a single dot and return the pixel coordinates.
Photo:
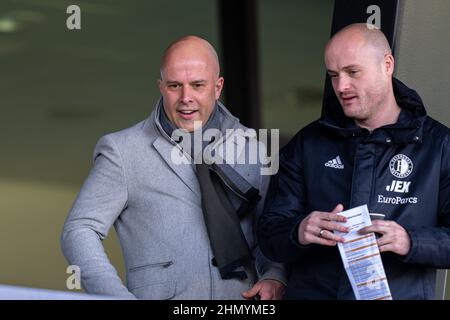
(155, 207)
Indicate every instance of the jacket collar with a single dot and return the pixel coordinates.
(166, 146)
(408, 128)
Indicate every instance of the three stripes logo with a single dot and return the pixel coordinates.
(336, 163)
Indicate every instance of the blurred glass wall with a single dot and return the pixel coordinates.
(293, 35)
(60, 91)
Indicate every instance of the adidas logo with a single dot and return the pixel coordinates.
(336, 163)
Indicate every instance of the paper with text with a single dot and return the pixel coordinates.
(361, 257)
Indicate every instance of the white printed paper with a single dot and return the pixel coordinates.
(361, 257)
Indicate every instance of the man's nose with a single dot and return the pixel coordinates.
(186, 95)
(343, 83)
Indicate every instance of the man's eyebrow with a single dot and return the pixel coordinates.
(351, 66)
(198, 81)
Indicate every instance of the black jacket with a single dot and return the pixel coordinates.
(401, 170)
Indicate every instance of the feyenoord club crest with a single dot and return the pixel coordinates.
(401, 166)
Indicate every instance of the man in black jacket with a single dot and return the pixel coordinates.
(374, 145)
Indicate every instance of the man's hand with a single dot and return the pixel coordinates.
(395, 238)
(267, 290)
(318, 227)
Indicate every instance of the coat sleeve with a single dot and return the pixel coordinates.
(431, 246)
(285, 208)
(99, 203)
(266, 268)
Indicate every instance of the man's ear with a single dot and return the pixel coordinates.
(219, 87)
(389, 63)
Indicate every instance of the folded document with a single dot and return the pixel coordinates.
(361, 257)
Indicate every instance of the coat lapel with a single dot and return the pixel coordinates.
(184, 171)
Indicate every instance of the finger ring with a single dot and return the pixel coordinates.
(321, 232)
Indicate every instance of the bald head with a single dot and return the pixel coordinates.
(191, 47)
(190, 82)
(360, 64)
(359, 34)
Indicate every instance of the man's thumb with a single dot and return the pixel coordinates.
(251, 292)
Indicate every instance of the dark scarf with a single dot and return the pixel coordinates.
(228, 242)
